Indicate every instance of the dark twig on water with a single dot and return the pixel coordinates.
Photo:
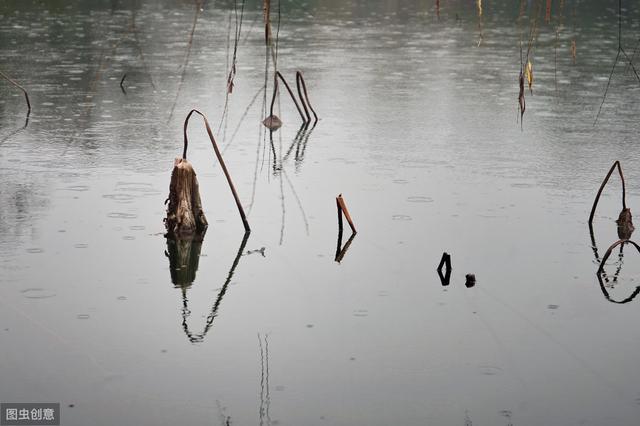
(102, 63)
(445, 262)
(26, 95)
(220, 160)
(122, 82)
(134, 29)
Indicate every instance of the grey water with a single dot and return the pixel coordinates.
(419, 131)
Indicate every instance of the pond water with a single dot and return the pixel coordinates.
(418, 130)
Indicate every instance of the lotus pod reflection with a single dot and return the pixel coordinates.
(184, 256)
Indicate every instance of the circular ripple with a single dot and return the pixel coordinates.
(37, 293)
(80, 188)
(118, 215)
(489, 370)
(419, 199)
(119, 197)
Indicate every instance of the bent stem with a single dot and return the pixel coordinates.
(279, 75)
(26, 95)
(604, 182)
(305, 100)
(220, 160)
(273, 98)
(342, 209)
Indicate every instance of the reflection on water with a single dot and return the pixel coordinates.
(606, 281)
(183, 257)
(340, 249)
(15, 132)
(265, 395)
(300, 144)
(445, 262)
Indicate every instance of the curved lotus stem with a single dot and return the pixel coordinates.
(278, 75)
(220, 160)
(300, 82)
(26, 95)
(604, 182)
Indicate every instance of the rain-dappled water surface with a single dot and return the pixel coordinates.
(419, 133)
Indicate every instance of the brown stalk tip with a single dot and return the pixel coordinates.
(342, 210)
